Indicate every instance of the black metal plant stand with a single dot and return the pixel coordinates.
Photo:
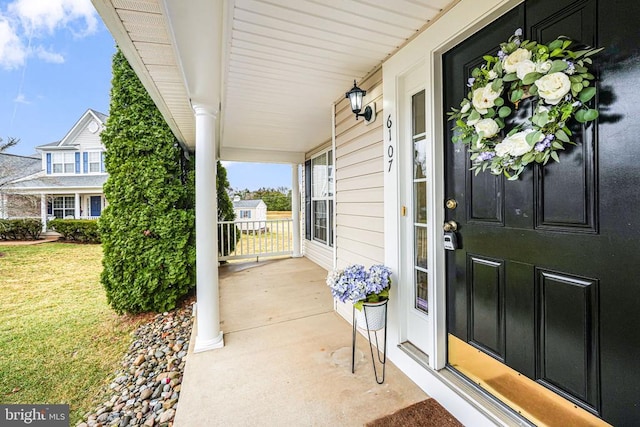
(382, 359)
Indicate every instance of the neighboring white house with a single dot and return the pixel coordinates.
(251, 213)
(539, 296)
(69, 176)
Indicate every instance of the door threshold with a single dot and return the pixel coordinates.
(415, 353)
(488, 405)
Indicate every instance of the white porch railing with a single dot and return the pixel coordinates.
(243, 239)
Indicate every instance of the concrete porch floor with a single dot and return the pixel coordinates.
(287, 357)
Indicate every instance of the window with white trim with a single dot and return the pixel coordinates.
(63, 162)
(63, 207)
(245, 214)
(322, 189)
(94, 161)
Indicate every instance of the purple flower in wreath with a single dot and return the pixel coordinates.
(486, 155)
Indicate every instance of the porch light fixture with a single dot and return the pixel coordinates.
(355, 96)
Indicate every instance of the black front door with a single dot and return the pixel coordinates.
(547, 277)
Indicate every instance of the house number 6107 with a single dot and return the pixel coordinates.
(390, 147)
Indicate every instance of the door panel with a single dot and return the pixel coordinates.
(545, 280)
(486, 305)
(569, 334)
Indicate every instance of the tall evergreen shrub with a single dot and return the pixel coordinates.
(226, 243)
(148, 228)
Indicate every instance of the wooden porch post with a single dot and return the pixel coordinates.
(209, 335)
(295, 210)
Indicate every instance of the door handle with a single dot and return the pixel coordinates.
(450, 226)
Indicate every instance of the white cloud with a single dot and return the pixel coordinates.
(21, 99)
(48, 56)
(12, 51)
(49, 15)
(28, 20)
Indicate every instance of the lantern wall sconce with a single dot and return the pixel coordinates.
(355, 97)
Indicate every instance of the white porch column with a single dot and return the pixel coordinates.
(76, 205)
(295, 210)
(209, 335)
(43, 211)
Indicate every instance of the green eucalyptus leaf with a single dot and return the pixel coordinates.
(528, 158)
(558, 65)
(499, 102)
(555, 157)
(504, 111)
(576, 87)
(516, 95)
(510, 77)
(474, 115)
(586, 94)
(591, 114)
(580, 116)
(562, 136)
(533, 137)
(557, 145)
(533, 90)
(530, 78)
(496, 85)
(556, 52)
(556, 44)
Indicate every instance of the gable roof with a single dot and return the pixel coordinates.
(88, 115)
(247, 203)
(14, 167)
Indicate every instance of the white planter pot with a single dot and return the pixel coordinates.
(375, 316)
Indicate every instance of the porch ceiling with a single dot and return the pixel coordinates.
(273, 67)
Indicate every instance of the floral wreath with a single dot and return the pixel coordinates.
(558, 77)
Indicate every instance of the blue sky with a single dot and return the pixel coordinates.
(55, 63)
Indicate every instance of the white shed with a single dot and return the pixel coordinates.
(252, 214)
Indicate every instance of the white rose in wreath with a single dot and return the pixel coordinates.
(553, 87)
(484, 98)
(517, 56)
(543, 67)
(487, 128)
(525, 67)
(515, 145)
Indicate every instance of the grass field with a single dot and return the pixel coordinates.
(59, 340)
(277, 239)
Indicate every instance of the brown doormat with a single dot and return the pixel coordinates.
(427, 413)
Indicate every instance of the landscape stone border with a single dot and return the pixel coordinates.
(145, 391)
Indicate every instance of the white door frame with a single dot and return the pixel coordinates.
(461, 21)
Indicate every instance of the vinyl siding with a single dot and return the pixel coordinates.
(88, 141)
(360, 183)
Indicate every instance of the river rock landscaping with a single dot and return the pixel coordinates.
(145, 391)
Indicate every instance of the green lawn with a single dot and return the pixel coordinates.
(59, 340)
